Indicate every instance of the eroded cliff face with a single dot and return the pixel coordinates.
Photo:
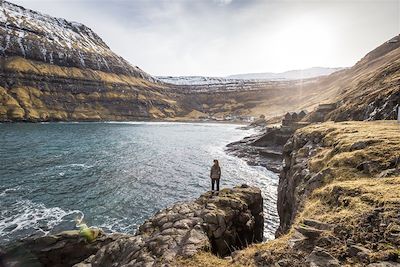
(338, 198)
(217, 223)
(36, 91)
(53, 70)
(319, 154)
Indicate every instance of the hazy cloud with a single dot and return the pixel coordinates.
(223, 2)
(221, 37)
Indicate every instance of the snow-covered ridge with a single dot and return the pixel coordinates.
(40, 37)
(196, 80)
(242, 79)
(58, 30)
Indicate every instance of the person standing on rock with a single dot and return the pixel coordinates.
(215, 175)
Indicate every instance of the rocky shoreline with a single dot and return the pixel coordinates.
(337, 202)
(218, 223)
(263, 148)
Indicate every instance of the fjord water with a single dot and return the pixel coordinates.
(114, 174)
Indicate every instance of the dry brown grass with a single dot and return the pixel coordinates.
(203, 259)
(22, 65)
(349, 195)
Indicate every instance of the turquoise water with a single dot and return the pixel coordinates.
(114, 174)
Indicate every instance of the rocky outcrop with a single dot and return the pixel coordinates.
(219, 223)
(263, 149)
(63, 249)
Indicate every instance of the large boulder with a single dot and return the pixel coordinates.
(63, 249)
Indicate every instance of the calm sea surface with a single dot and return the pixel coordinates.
(116, 175)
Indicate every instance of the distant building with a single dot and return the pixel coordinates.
(290, 118)
(302, 114)
(321, 111)
(326, 107)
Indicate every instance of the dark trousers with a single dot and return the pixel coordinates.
(213, 181)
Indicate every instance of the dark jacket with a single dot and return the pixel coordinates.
(215, 172)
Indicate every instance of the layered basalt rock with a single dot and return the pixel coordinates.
(55, 70)
(35, 91)
(68, 73)
(218, 223)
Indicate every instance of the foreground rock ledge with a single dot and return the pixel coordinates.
(218, 223)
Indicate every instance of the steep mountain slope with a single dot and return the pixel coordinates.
(52, 69)
(39, 37)
(371, 89)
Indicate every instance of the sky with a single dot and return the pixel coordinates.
(225, 37)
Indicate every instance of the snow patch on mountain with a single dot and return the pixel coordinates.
(242, 79)
(197, 80)
(36, 36)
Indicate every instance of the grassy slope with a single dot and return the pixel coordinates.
(107, 91)
(377, 75)
(347, 199)
(372, 79)
(22, 65)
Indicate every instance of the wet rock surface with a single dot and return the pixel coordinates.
(63, 249)
(263, 149)
(221, 223)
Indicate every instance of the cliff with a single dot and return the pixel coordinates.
(55, 70)
(338, 198)
(219, 224)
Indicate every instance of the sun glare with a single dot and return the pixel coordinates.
(305, 42)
